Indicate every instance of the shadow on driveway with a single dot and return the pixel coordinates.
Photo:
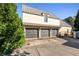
(71, 43)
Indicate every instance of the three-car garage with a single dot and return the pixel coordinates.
(40, 33)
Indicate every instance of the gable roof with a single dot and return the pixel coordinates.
(31, 10)
(64, 24)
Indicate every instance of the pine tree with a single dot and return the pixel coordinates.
(11, 29)
(70, 20)
(76, 25)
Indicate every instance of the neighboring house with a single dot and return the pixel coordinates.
(40, 24)
(65, 29)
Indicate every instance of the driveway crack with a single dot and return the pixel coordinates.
(38, 51)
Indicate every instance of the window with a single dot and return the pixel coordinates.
(42, 14)
(45, 18)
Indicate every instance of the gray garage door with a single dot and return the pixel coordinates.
(32, 33)
(44, 33)
(54, 32)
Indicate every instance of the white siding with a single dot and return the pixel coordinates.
(53, 22)
(29, 18)
(65, 30)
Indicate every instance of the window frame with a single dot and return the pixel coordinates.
(45, 18)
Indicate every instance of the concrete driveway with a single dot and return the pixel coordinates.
(50, 47)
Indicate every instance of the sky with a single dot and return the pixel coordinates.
(61, 10)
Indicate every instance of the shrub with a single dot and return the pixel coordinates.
(11, 29)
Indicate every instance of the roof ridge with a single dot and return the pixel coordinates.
(37, 11)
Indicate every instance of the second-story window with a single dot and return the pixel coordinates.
(45, 18)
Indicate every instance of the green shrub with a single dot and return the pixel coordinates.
(76, 23)
(11, 29)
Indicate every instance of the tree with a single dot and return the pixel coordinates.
(70, 20)
(11, 29)
(76, 25)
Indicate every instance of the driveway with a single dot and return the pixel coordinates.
(50, 47)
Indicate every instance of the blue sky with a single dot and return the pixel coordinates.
(61, 10)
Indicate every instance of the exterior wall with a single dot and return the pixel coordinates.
(24, 32)
(30, 18)
(65, 30)
(76, 34)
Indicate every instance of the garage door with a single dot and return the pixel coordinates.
(32, 33)
(44, 33)
(54, 32)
